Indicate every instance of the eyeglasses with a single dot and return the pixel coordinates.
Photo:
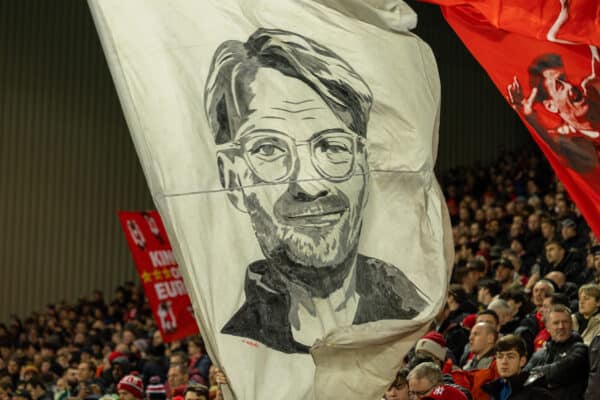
(272, 156)
(414, 394)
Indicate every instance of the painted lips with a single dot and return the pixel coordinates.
(319, 212)
(316, 218)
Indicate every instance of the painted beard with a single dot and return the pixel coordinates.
(320, 233)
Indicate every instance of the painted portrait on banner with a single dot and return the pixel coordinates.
(290, 116)
(294, 173)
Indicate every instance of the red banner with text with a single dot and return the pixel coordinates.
(542, 56)
(159, 273)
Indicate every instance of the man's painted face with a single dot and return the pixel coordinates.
(568, 100)
(313, 213)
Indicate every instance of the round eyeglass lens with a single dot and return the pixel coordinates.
(269, 156)
(333, 154)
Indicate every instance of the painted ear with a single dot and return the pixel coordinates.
(230, 181)
(550, 106)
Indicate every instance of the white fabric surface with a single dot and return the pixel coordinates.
(160, 52)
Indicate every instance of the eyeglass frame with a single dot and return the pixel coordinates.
(356, 141)
(413, 393)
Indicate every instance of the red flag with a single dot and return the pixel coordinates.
(159, 273)
(542, 57)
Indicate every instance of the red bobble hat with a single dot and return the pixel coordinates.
(133, 385)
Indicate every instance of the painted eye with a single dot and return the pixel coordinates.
(267, 150)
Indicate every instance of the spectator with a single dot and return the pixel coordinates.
(561, 284)
(482, 339)
(566, 262)
(130, 387)
(425, 382)
(199, 361)
(398, 390)
(519, 304)
(37, 390)
(457, 308)
(511, 356)
(504, 312)
(593, 384)
(505, 275)
(86, 372)
(563, 362)
(572, 241)
(156, 389)
(178, 378)
(196, 392)
(488, 290)
(587, 321)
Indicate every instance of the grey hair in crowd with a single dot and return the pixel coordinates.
(427, 370)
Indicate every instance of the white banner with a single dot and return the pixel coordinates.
(289, 146)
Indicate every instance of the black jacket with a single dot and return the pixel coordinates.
(385, 293)
(564, 367)
(571, 266)
(518, 389)
(593, 384)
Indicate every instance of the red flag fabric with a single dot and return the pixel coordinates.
(542, 57)
(159, 273)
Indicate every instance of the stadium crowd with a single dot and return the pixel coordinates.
(522, 318)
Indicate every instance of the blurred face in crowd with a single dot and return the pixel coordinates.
(194, 396)
(504, 274)
(71, 376)
(554, 253)
(13, 367)
(588, 305)
(157, 339)
(4, 394)
(559, 326)
(125, 395)
(85, 372)
(546, 306)
(547, 230)
(176, 376)
(475, 230)
(176, 359)
(509, 363)
(397, 392)
(128, 337)
(533, 223)
(568, 232)
(540, 292)
(514, 306)
(561, 208)
(482, 338)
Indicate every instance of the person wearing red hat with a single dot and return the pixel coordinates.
(425, 382)
(130, 387)
(432, 344)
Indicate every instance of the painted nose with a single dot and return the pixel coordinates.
(306, 184)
